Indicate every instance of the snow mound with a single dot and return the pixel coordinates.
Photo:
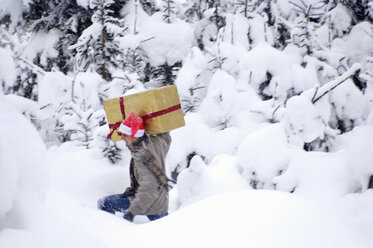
(245, 219)
(263, 155)
(322, 177)
(199, 181)
(23, 170)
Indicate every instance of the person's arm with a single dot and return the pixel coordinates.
(161, 143)
(147, 191)
(156, 170)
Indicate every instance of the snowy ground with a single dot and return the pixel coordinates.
(48, 199)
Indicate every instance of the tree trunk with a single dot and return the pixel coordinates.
(169, 11)
(103, 41)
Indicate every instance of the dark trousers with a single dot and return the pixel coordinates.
(120, 203)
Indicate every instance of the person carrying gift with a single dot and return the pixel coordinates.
(148, 193)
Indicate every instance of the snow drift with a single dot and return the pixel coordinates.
(258, 219)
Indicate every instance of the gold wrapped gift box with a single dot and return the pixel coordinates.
(160, 109)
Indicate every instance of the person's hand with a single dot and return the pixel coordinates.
(129, 191)
(128, 216)
(163, 180)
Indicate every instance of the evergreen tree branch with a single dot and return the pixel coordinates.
(15, 47)
(325, 89)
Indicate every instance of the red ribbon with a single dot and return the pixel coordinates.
(115, 126)
(161, 112)
(122, 107)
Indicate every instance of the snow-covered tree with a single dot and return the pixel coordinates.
(191, 80)
(161, 75)
(164, 62)
(360, 9)
(149, 6)
(194, 10)
(80, 124)
(97, 48)
(84, 114)
(25, 71)
(222, 95)
(306, 121)
(207, 29)
(113, 151)
(168, 10)
(67, 18)
(309, 14)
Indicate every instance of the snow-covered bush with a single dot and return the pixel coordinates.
(191, 80)
(55, 91)
(358, 44)
(329, 176)
(197, 138)
(87, 90)
(304, 122)
(264, 155)
(307, 116)
(113, 151)
(220, 105)
(193, 139)
(233, 31)
(340, 20)
(275, 74)
(178, 36)
(200, 181)
(320, 176)
(352, 114)
(79, 125)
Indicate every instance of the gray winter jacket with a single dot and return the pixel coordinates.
(149, 192)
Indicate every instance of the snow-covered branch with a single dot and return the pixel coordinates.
(8, 38)
(325, 89)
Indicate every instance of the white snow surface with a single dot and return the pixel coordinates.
(23, 171)
(255, 219)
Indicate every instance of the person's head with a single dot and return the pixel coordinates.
(131, 129)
